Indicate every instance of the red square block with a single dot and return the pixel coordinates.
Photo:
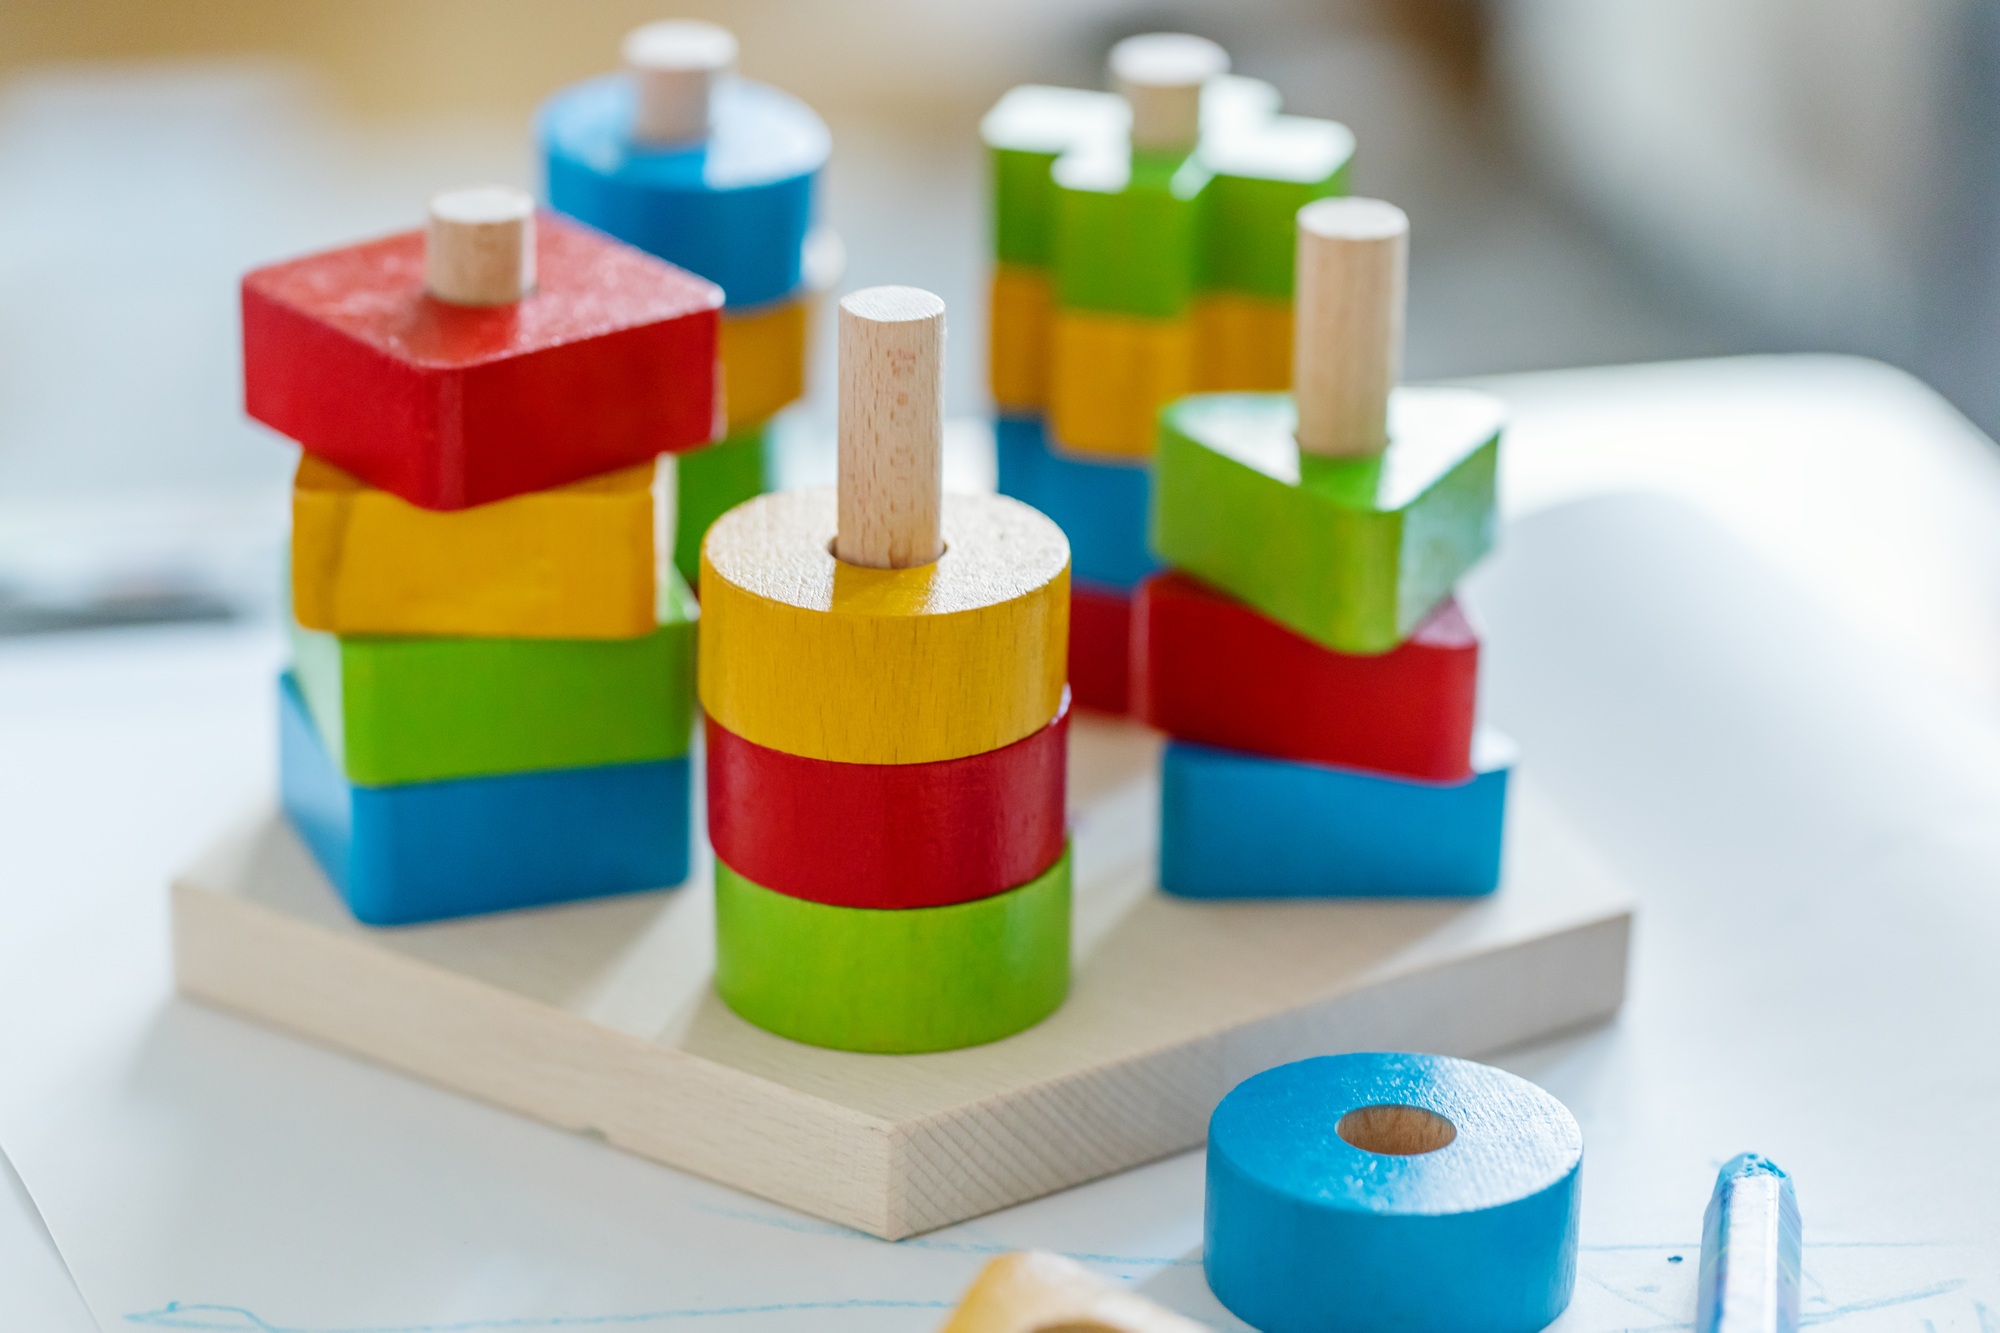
(1100, 643)
(610, 361)
(1207, 668)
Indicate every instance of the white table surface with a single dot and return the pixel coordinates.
(1746, 627)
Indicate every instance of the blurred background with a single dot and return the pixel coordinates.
(1590, 181)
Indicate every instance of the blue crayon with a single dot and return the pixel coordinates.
(423, 851)
(1750, 1251)
(1101, 505)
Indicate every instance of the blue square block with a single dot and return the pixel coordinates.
(1100, 505)
(734, 208)
(423, 851)
(1236, 825)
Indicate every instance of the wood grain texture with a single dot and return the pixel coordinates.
(609, 362)
(479, 246)
(813, 656)
(601, 1016)
(894, 982)
(1160, 75)
(1353, 266)
(891, 428)
(888, 835)
(575, 562)
(1034, 1292)
(675, 65)
(1477, 1234)
(1109, 376)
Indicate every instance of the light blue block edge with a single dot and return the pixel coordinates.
(426, 851)
(1237, 825)
(1101, 506)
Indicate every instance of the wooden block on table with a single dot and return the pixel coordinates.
(1110, 374)
(734, 207)
(710, 482)
(897, 981)
(429, 850)
(393, 709)
(1242, 343)
(601, 1017)
(1033, 1292)
(1352, 553)
(575, 562)
(888, 836)
(818, 657)
(1129, 234)
(1100, 502)
(1239, 825)
(1207, 668)
(1100, 647)
(764, 360)
(1020, 306)
(607, 363)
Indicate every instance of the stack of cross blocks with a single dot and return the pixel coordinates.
(490, 700)
(1306, 652)
(1143, 241)
(715, 174)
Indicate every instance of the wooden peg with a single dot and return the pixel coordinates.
(891, 427)
(1161, 74)
(480, 246)
(1347, 353)
(1031, 1291)
(676, 64)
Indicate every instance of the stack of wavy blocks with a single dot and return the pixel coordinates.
(490, 697)
(736, 208)
(1123, 280)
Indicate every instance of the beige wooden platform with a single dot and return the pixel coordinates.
(599, 1017)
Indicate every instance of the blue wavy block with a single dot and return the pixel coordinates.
(1237, 825)
(1100, 505)
(424, 851)
(734, 209)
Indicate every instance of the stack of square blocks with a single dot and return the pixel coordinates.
(490, 698)
(1130, 270)
(732, 201)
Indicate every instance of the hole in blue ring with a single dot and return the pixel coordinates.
(1395, 1130)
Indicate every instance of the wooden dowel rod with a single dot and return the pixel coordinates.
(675, 65)
(1161, 75)
(1347, 347)
(479, 246)
(891, 427)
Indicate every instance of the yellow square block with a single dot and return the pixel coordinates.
(1242, 344)
(1018, 337)
(764, 360)
(1109, 375)
(575, 562)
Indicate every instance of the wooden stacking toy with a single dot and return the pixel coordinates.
(1385, 1193)
(490, 698)
(1306, 653)
(883, 671)
(714, 173)
(1143, 250)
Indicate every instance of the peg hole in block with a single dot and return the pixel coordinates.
(1395, 1130)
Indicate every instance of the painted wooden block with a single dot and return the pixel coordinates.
(601, 1017)
(1100, 647)
(1101, 504)
(917, 979)
(710, 482)
(430, 850)
(888, 835)
(1109, 374)
(828, 659)
(1352, 553)
(1242, 343)
(1237, 825)
(608, 362)
(1019, 307)
(764, 360)
(734, 207)
(1031, 1291)
(1129, 234)
(392, 710)
(575, 562)
(1389, 1193)
(1207, 668)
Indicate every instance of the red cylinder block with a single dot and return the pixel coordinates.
(889, 835)
(610, 361)
(1207, 668)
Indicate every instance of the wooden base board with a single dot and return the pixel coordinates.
(599, 1016)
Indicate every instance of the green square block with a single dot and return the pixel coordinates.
(1129, 231)
(1025, 132)
(1264, 173)
(710, 482)
(1352, 553)
(396, 709)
